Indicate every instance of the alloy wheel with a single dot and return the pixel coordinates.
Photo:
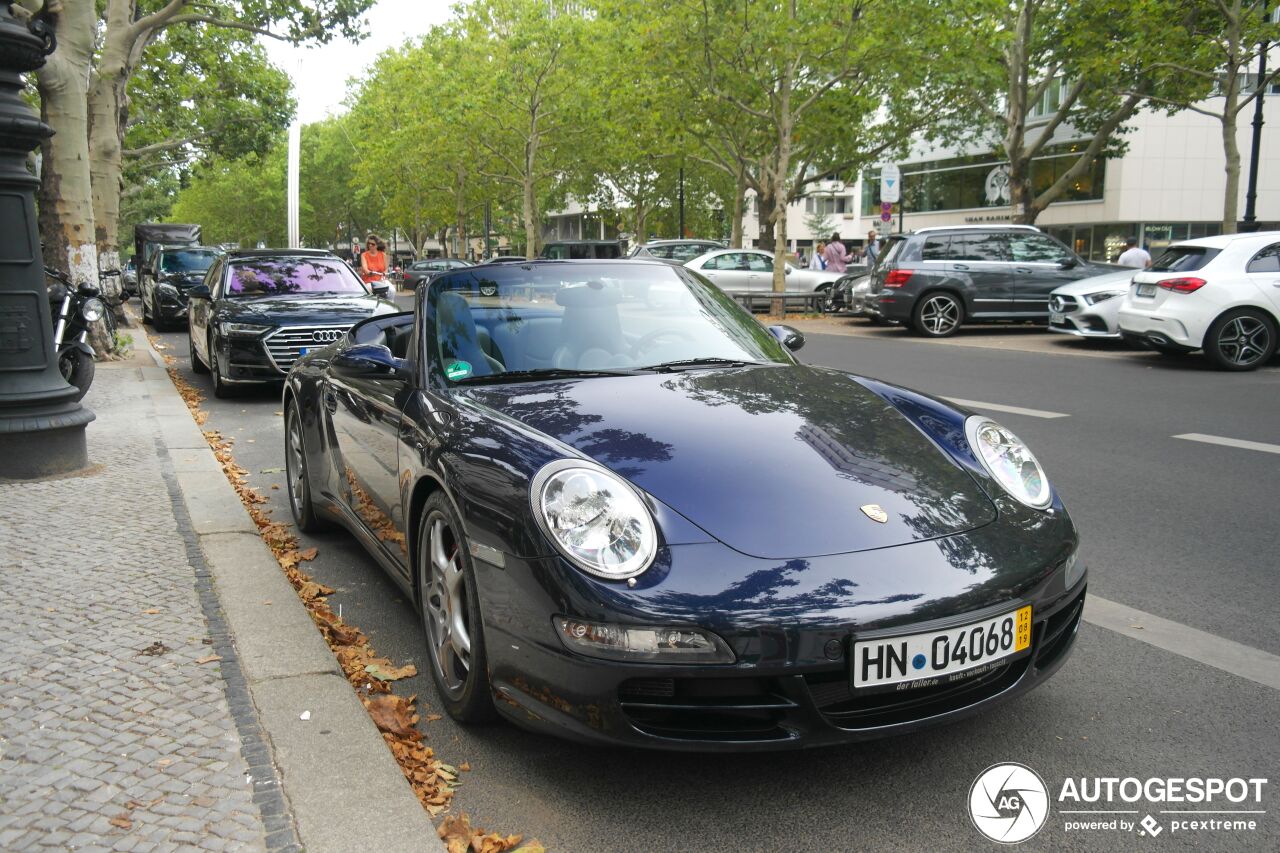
(1244, 341)
(294, 463)
(444, 605)
(940, 315)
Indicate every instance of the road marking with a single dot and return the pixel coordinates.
(1227, 655)
(1013, 410)
(1260, 446)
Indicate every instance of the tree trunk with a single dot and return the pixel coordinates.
(66, 202)
(1231, 150)
(766, 200)
(739, 198)
(530, 213)
(1022, 211)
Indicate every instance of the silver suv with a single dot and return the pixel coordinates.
(937, 279)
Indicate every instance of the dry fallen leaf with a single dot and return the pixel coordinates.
(382, 669)
(151, 611)
(210, 658)
(465, 766)
(392, 714)
(309, 554)
(431, 718)
(122, 820)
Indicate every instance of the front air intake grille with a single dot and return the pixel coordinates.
(285, 345)
(706, 709)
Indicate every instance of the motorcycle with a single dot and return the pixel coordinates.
(77, 308)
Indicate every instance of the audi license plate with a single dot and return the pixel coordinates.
(1146, 290)
(937, 657)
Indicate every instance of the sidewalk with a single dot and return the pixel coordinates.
(157, 668)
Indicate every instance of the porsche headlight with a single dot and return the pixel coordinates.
(1102, 296)
(92, 310)
(593, 517)
(1009, 461)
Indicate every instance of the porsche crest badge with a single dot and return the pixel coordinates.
(875, 513)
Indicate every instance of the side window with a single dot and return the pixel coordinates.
(1268, 260)
(934, 249)
(580, 252)
(714, 263)
(1036, 249)
(978, 246)
(661, 251)
(557, 253)
(760, 263)
(213, 279)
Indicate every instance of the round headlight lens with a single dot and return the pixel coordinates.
(92, 310)
(595, 519)
(1009, 461)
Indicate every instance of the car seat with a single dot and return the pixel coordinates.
(590, 331)
(456, 336)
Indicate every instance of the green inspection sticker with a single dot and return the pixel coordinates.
(457, 370)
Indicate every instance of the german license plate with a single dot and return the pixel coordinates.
(302, 351)
(1146, 290)
(1055, 319)
(923, 660)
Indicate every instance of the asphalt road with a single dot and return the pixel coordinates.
(1181, 529)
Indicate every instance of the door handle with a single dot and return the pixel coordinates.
(1021, 269)
(959, 267)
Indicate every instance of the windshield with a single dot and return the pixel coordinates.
(187, 261)
(283, 276)
(1183, 259)
(526, 320)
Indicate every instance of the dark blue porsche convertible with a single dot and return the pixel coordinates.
(627, 514)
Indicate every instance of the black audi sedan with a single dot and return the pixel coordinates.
(644, 522)
(174, 271)
(259, 310)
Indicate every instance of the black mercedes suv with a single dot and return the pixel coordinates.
(937, 279)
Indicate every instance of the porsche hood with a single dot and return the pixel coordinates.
(775, 462)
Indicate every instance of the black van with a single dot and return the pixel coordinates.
(565, 250)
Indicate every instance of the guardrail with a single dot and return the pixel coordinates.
(751, 299)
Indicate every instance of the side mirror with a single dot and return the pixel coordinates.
(790, 338)
(371, 360)
(382, 291)
(199, 291)
(1068, 263)
(788, 269)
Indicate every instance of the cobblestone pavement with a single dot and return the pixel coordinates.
(113, 734)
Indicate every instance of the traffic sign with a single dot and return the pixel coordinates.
(886, 207)
(890, 183)
(886, 217)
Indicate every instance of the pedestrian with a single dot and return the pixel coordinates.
(873, 248)
(1134, 256)
(836, 254)
(801, 260)
(816, 261)
(373, 261)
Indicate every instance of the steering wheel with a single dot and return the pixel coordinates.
(648, 340)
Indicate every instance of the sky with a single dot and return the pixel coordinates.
(320, 73)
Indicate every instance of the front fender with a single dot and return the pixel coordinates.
(79, 345)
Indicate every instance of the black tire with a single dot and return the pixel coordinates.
(297, 478)
(76, 366)
(1243, 339)
(197, 366)
(446, 592)
(938, 314)
(222, 390)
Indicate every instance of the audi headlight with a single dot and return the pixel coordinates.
(594, 518)
(1009, 461)
(164, 288)
(92, 310)
(241, 330)
(1102, 296)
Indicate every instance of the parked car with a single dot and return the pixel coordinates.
(935, 280)
(1088, 308)
(129, 277)
(1219, 294)
(571, 495)
(850, 293)
(673, 251)
(752, 270)
(259, 310)
(562, 250)
(148, 237)
(420, 271)
(173, 271)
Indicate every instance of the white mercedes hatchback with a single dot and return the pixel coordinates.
(1219, 294)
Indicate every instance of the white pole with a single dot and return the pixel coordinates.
(295, 151)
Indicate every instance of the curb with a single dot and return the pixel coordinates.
(340, 781)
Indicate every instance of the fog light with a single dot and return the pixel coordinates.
(642, 643)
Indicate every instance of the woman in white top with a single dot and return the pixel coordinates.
(817, 262)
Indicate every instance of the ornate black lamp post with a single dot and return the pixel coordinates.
(41, 424)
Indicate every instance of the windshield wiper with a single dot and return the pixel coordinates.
(691, 363)
(542, 373)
